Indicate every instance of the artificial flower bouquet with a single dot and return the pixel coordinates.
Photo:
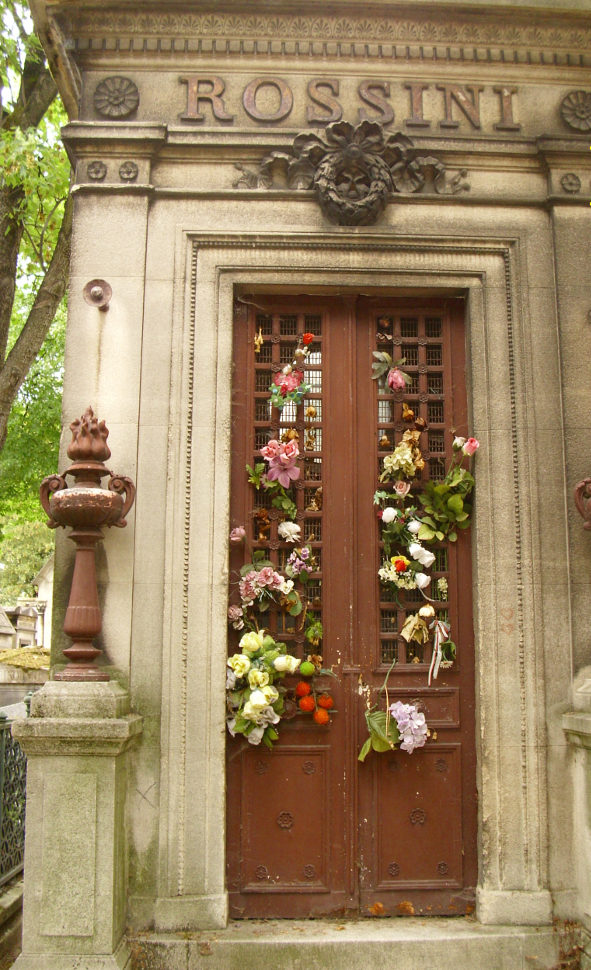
(254, 702)
(288, 385)
(256, 698)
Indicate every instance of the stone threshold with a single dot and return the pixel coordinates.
(380, 944)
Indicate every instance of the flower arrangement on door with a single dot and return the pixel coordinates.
(411, 523)
(257, 695)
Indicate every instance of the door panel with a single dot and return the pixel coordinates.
(311, 831)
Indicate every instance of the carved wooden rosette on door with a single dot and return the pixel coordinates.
(311, 831)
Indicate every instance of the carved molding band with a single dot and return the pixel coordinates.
(339, 29)
(354, 170)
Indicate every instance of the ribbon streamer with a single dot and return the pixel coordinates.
(441, 634)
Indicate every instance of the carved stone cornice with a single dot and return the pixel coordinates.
(402, 35)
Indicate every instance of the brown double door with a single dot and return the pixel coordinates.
(311, 830)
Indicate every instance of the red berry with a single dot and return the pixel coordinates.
(307, 704)
(321, 717)
(325, 701)
(303, 689)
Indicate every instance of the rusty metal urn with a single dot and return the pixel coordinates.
(86, 507)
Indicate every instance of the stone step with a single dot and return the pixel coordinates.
(381, 944)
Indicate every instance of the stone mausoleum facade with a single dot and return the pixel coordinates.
(302, 165)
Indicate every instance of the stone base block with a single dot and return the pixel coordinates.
(175, 914)
(388, 944)
(500, 907)
(120, 960)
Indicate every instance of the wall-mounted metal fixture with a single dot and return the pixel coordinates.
(583, 501)
(98, 293)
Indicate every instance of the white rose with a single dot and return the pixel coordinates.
(389, 514)
(414, 526)
(287, 369)
(230, 680)
(258, 678)
(258, 698)
(269, 693)
(415, 549)
(422, 580)
(458, 443)
(239, 664)
(286, 664)
(231, 724)
(289, 531)
(256, 735)
(286, 586)
(252, 642)
(427, 559)
(269, 716)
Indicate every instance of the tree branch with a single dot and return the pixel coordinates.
(30, 340)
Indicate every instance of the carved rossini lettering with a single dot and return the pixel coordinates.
(205, 103)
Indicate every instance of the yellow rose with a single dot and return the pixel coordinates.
(258, 678)
(251, 642)
(270, 693)
(239, 664)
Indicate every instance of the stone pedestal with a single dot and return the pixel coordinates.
(577, 727)
(75, 852)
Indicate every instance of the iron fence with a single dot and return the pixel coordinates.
(13, 782)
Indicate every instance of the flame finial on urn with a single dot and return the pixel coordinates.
(86, 507)
(89, 439)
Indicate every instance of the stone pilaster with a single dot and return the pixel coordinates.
(76, 742)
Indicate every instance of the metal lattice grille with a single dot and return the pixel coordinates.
(13, 782)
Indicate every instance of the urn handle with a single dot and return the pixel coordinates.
(49, 485)
(582, 497)
(122, 484)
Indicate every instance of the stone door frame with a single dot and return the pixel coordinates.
(506, 372)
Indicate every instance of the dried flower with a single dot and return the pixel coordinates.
(401, 460)
(237, 534)
(407, 412)
(420, 424)
(310, 411)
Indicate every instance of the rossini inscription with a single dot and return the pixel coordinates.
(206, 102)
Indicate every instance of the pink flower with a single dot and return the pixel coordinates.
(234, 613)
(237, 534)
(289, 382)
(265, 576)
(271, 450)
(289, 451)
(401, 488)
(396, 381)
(471, 446)
(248, 593)
(282, 472)
(277, 581)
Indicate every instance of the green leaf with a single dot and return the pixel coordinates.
(271, 733)
(266, 741)
(452, 536)
(378, 744)
(425, 533)
(440, 536)
(365, 750)
(455, 503)
(461, 516)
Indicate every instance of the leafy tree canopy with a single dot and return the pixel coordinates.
(35, 227)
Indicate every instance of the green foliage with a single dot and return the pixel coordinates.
(281, 500)
(384, 364)
(31, 449)
(445, 506)
(383, 733)
(24, 547)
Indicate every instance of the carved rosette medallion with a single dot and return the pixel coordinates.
(576, 110)
(116, 97)
(96, 171)
(571, 183)
(354, 170)
(128, 172)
